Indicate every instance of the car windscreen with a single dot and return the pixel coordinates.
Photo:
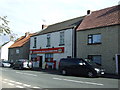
(90, 62)
(5, 62)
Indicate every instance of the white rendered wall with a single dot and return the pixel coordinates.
(55, 41)
(4, 50)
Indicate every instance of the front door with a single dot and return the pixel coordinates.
(118, 65)
(40, 62)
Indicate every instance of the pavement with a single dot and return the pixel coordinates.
(111, 76)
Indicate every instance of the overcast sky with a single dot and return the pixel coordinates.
(29, 15)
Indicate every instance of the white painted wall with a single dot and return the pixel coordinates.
(0, 53)
(4, 50)
(55, 41)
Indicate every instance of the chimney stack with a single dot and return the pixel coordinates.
(88, 12)
(44, 26)
(27, 33)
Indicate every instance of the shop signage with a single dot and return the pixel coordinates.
(47, 50)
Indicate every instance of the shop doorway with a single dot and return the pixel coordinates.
(40, 61)
(49, 61)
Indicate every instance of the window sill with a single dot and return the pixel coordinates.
(94, 43)
(34, 47)
(61, 44)
(48, 46)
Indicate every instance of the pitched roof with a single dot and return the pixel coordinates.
(105, 17)
(62, 25)
(21, 41)
(4, 44)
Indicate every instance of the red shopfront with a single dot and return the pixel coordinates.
(49, 55)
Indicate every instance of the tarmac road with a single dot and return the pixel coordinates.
(41, 79)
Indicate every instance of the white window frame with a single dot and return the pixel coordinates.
(116, 57)
(100, 62)
(62, 37)
(94, 39)
(48, 40)
(17, 51)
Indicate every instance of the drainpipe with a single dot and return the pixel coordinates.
(74, 45)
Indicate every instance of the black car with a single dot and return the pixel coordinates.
(78, 66)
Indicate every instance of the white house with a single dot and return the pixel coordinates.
(4, 50)
(53, 43)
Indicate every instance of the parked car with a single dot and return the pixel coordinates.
(5, 64)
(22, 64)
(79, 66)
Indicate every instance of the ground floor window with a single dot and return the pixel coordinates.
(95, 58)
(48, 57)
(50, 63)
(34, 57)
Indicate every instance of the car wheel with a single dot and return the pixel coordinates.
(90, 74)
(2, 65)
(64, 72)
(20, 67)
(13, 67)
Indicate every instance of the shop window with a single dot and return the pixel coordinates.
(95, 58)
(49, 57)
(35, 42)
(61, 39)
(48, 40)
(94, 39)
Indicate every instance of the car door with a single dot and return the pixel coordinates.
(74, 66)
(82, 68)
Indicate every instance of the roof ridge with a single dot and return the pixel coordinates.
(105, 8)
(67, 20)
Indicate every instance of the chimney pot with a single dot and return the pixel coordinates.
(88, 12)
(27, 33)
(44, 26)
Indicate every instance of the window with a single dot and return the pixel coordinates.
(17, 51)
(35, 41)
(61, 38)
(95, 58)
(48, 40)
(94, 39)
(48, 57)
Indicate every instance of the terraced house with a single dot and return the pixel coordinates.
(53, 43)
(20, 49)
(98, 38)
